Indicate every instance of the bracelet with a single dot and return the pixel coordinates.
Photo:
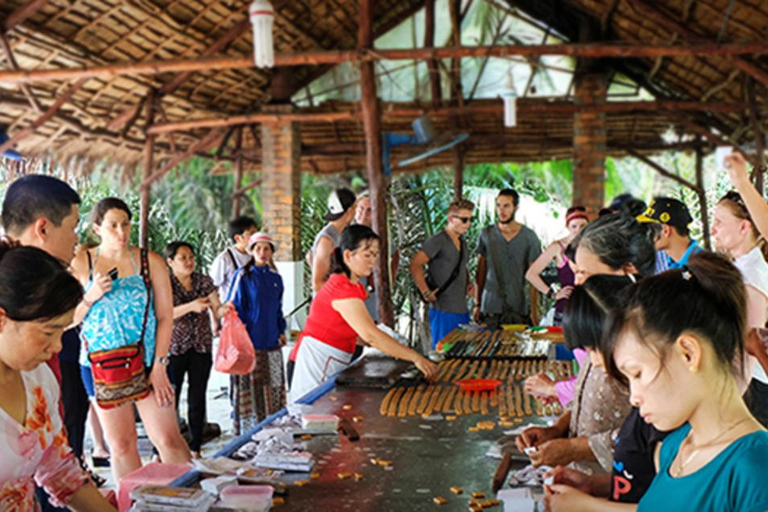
(88, 303)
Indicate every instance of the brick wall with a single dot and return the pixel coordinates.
(281, 185)
(589, 143)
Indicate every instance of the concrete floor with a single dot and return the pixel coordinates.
(218, 411)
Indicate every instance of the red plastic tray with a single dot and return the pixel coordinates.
(479, 384)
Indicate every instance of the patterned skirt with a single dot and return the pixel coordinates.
(256, 396)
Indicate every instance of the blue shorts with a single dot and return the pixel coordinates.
(442, 322)
(87, 376)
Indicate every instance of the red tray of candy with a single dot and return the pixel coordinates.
(479, 384)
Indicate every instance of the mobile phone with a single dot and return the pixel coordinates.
(113, 274)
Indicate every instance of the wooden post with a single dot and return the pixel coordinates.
(457, 94)
(702, 193)
(146, 172)
(429, 42)
(757, 131)
(238, 175)
(374, 167)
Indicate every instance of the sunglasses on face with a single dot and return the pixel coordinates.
(463, 220)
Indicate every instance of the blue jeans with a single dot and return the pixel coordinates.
(442, 322)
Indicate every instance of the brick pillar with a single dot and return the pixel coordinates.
(589, 142)
(281, 185)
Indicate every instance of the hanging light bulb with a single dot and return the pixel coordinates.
(262, 17)
(510, 101)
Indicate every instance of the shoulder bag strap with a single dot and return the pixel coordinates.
(148, 285)
(232, 257)
(90, 264)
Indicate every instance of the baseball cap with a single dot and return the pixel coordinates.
(340, 200)
(665, 210)
(262, 237)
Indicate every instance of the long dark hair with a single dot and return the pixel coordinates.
(107, 204)
(587, 310)
(34, 285)
(619, 239)
(706, 298)
(352, 238)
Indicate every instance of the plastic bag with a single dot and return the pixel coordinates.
(236, 355)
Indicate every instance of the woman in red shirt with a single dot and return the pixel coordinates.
(338, 317)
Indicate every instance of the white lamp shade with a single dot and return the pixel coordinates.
(262, 16)
(510, 109)
(510, 101)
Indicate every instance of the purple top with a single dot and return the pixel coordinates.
(566, 389)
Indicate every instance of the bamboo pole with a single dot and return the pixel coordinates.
(146, 172)
(320, 57)
(393, 111)
(377, 182)
(19, 136)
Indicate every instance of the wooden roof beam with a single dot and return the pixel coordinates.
(43, 118)
(392, 110)
(204, 144)
(22, 13)
(14, 65)
(661, 170)
(658, 16)
(317, 58)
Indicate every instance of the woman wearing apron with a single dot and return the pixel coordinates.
(338, 316)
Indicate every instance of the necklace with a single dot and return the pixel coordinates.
(682, 463)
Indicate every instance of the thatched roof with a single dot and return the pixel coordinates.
(104, 120)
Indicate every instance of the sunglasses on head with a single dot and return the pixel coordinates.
(464, 220)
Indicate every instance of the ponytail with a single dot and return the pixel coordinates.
(337, 263)
(352, 238)
(706, 298)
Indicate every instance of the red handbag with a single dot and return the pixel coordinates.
(119, 375)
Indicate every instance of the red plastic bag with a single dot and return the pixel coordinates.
(235, 355)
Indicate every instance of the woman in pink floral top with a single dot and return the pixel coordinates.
(37, 301)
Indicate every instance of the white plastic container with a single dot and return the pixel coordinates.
(253, 498)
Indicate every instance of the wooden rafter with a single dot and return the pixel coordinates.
(43, 118)
(13, 65)
(22, 13)
(663, 19)
(204, 144)
(590, 50)
(392, 110)
(661, 170)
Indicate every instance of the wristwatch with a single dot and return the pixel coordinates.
(165, 360)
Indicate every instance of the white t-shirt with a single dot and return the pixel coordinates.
(223, 269)
(754, 270)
